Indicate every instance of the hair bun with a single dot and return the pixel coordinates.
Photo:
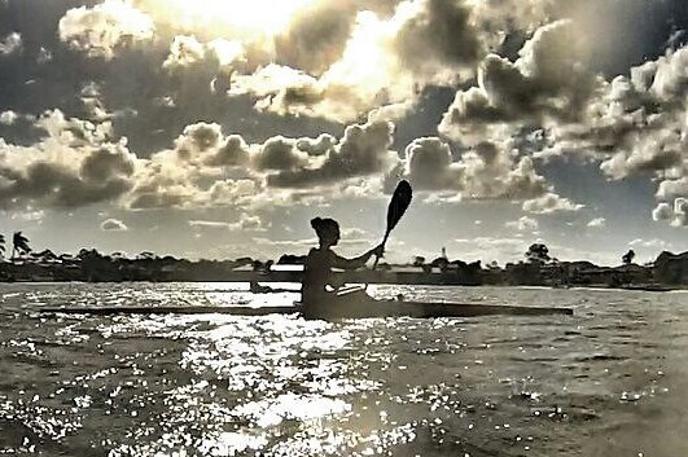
(316, 222)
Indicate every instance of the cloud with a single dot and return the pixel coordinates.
(598, 222)
(76, 164)
(44, 56)
(487, 171)
(524, 224)
(280, 154)
(370, 62)
(246, 222)
(10, 44)
(209, 224)
(363, 150)
(8, 117)
(317, 35)
(206, 168)
(662, 212)
(186, 51)
(676, 214)
(113, 225)
(28, 214)
(435, 37)
(635, 125)
(669, 188)
(546, 81)
(101, 30)
(550, 203)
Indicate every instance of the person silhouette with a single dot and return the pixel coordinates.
(317, 274)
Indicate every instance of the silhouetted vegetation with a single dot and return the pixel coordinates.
(538, 268)
(628, 257)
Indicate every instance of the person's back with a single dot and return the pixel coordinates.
(316, 274)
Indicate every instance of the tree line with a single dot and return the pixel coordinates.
(20, 245)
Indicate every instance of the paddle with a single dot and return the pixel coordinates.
(397, 207)
(401, 199)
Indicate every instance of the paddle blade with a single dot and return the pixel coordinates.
(399, 204)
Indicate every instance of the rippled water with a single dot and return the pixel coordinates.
(611, 380)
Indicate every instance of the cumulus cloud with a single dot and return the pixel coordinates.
(207, 167)
(316, 37)
(524, 224)
(101, 30)
(677, 214)
(484, 172)
(672, 188)
(113, 225)
(636, 125)
(187, 51)
(363, 150)
(598, 222)
(247, 222)
(546, 81)
(8, 117)
(550, 203)
(76, 164)
(194, 173)
(382, 61)
(10, 44)
(435, 37)
(663, 212)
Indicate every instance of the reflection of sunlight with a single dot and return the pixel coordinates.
(271, 412)
(230, 443)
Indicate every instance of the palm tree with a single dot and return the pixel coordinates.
(20, 244)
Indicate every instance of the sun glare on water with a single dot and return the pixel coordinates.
(245, 17)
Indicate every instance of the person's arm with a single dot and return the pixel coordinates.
(352, 264)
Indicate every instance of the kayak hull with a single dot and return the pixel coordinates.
(424, 310)
(370, 309)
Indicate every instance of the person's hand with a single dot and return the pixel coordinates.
(378, 251)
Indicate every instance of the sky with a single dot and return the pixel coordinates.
(219, 128)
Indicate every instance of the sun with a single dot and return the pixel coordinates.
(236, 18)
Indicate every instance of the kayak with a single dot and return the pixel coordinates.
(371, 309)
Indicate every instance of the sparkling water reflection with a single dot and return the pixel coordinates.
(609, 381)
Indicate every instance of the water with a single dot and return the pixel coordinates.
(610, 381)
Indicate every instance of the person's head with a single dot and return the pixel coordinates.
(327, 230)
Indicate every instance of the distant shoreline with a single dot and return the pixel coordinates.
(668, 272)
(435, 280)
